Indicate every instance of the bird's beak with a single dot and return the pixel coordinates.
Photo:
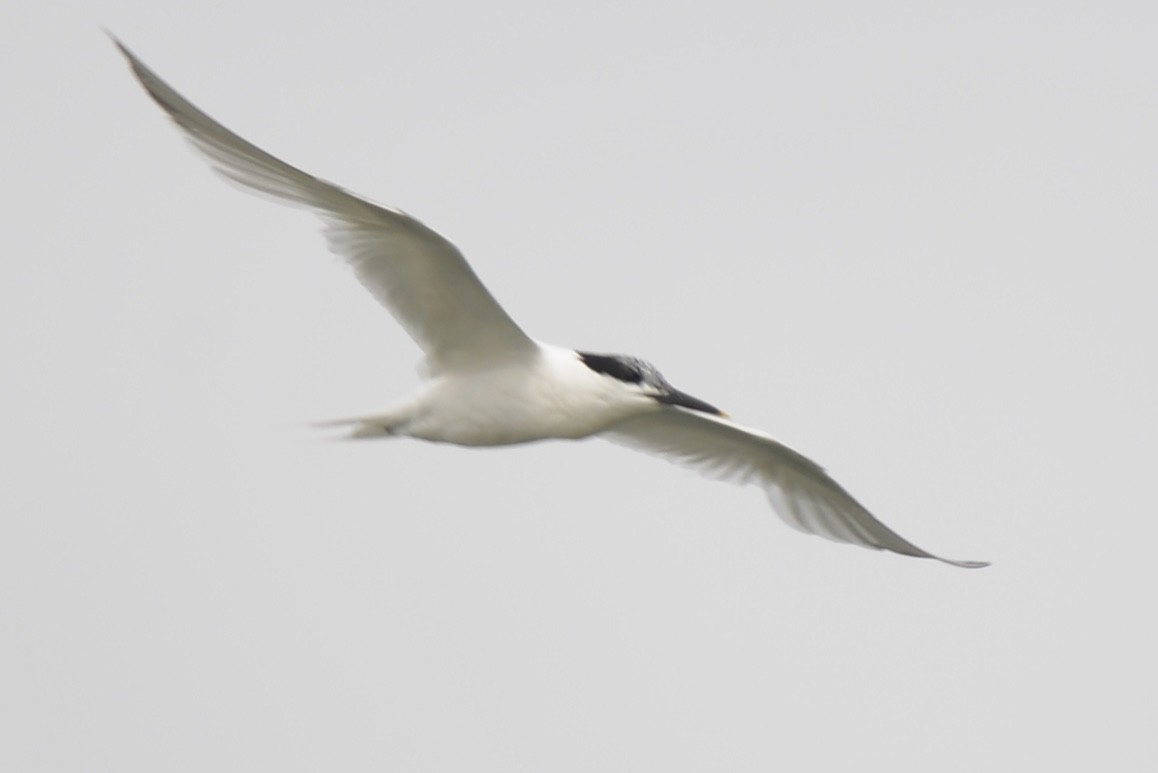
(684, 400)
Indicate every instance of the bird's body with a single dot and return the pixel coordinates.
(489, 384)
(547, 394)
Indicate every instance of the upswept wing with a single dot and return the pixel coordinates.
(418, 275)
(800, 490)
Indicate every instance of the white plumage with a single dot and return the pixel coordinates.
(487, 383)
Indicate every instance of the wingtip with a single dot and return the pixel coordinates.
(117, 42)
(137, 66)
(967, 564)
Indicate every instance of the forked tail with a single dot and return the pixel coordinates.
(358, 427)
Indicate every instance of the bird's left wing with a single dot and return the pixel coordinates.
(800, 491)
(417, 274)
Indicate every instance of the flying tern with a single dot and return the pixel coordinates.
(487, 383)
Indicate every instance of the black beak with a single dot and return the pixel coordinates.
(683, 400)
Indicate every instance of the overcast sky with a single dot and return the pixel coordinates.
(914, 240)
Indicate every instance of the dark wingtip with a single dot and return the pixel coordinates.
(117, 42)
(962, 564)
(971, 564)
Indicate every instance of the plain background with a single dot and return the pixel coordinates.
(914, 240)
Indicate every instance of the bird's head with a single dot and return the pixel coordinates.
(640, 375)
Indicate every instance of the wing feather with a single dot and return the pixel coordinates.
(417, 274)
(800, 491)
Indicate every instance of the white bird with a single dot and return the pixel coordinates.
(487, 383)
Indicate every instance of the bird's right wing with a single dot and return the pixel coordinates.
(417, 274)
(800, 490)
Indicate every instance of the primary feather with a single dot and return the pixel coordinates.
(414, 272)
(800, 491)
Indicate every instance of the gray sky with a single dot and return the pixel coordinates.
(916, 241)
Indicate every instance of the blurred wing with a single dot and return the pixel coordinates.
(419, 276)
(801, 492)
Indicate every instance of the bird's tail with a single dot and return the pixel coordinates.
(357, 427)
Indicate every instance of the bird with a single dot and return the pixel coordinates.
(485, 382)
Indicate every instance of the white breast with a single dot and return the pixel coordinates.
(553, 395)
